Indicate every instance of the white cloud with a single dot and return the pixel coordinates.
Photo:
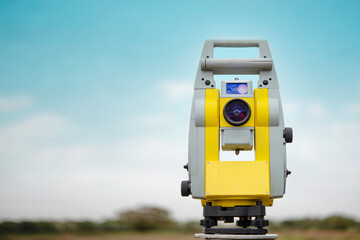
(32, 131)
(43, 176)
(152, 119)
(43, 125)
(317, 109)
(324, 171)
(44, 173)
(307, 112)
(177, 89)
(353, 108)
(323, 162)
(14, 103)
(291, 107)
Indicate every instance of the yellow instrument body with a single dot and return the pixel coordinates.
(237, 183)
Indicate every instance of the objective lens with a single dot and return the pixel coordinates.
(237, 112)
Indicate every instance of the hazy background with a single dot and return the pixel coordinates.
(95, 99)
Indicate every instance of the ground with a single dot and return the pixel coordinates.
(283, 235)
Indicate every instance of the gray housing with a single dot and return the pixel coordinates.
(264, 67)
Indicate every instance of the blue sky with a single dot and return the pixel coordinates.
(95, 99)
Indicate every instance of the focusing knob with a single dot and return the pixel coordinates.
(185, 188)
(288, 135)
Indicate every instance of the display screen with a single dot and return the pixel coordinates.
(236, 88)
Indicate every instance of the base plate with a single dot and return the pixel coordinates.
(242, 237)
(236, 231)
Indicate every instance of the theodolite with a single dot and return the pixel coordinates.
(238, 117)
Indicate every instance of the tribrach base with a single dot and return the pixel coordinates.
(242, 231)
(251, 219)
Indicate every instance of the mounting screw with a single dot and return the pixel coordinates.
(207, 82)
(265, 82)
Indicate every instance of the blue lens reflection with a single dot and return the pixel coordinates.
(236, 111)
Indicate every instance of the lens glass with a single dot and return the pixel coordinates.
(236, 111)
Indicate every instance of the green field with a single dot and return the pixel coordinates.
(283, 235)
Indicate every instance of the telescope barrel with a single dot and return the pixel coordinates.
(236, 65)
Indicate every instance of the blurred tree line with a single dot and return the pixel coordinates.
(335, 222)
(139, 220)
(156, 219)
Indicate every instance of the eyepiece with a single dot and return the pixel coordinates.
(237, 112)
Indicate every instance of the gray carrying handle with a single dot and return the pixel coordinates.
(264, 51)
(237, 43)
(209, 65)
(236, 65)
